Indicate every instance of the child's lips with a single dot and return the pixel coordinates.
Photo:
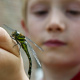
(54, 43)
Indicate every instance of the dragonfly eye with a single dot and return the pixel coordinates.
(13, 34)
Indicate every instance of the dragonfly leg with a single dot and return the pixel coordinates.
(12, 37)
(16, 44)
(19, 45)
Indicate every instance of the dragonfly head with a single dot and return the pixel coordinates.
(15, 33)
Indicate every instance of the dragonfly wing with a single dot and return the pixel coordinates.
(8, 28)
(33, 52)
(34, 43)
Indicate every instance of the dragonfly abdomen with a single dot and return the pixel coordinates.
(25, 48)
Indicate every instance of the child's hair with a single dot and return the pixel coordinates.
(24, 9)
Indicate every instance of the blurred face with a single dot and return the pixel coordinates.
(54, 25)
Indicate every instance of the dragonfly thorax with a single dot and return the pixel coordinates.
(18, 36)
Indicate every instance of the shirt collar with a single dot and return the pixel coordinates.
(77, 77)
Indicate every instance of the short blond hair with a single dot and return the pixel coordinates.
(24, 8)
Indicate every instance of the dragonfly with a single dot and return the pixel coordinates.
(23, 42)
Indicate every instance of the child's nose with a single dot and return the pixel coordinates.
(56, 24)
(55, 27)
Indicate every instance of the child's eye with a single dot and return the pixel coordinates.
(73, 12)
(40, 10)
(41, 13)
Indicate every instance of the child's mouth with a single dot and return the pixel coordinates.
(54, 43)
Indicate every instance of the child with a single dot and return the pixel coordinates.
(54, 26)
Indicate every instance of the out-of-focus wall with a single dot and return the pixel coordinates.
(10, 14)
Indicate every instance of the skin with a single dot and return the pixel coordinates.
(58, 21)
(11, 63)
(51, 20)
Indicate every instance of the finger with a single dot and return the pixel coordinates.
(7, 43)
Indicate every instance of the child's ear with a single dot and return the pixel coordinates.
(24, 27)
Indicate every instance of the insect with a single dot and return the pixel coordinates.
(23, 42)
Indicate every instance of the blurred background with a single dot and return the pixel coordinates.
(10, 11)
(10, 14)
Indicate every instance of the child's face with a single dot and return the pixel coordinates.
(54, 25)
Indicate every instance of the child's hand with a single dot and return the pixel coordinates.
(11, 63)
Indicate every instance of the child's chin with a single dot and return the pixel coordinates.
(60, 63)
